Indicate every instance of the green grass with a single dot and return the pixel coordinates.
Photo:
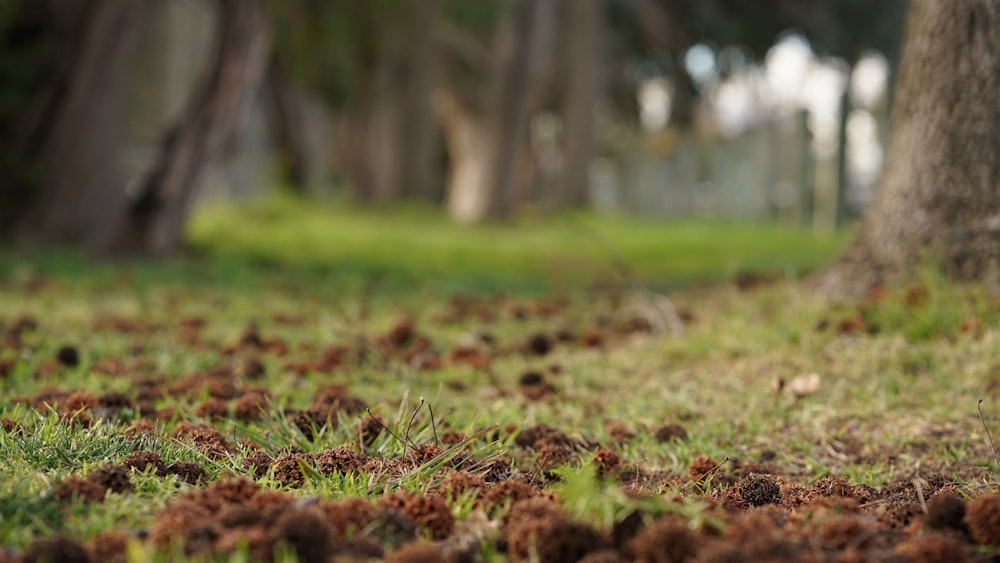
(564, 251)
(895, 400)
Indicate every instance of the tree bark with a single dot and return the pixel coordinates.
(420, 148)
(522, 55)
(152, 223)
(582, 94)
(72, 131)
(939, 197)
(299, 131)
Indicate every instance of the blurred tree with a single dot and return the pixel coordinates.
(582, 94)
(65, 65)
(939, 197)
(486, 102)
(151, 221)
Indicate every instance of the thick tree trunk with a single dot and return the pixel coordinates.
(470, 147)
(420, 148)
(582, 94)
(153, 222)
(299, 130)
(522, 55)
(939, 198)
(74, 130)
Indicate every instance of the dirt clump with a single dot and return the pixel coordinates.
(189, 472)
(110, 547)
(668, 539)
(203, 437)
(982, 515)
(142, 461)
(306, 531)
(63, 550)
(113, 478)
(68, 356)
(758, 489)
(946, 510)
(671, 432)
(429, 511)
(536, 532)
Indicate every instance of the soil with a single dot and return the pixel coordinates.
(507, 504)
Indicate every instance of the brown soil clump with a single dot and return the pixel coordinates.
(307, 532)
(666, 540)
(144, 460)
(548, 536)
(188, 471)
(206, 438)
(113, 478)
(68, 356)
(109, 547)
(945, 511)
(59, 549)
(983, 518)
(671, 432)
(758, 489)
(429, 511)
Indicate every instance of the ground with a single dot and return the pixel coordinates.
(218, 416)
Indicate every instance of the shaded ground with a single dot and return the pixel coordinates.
(745, 423)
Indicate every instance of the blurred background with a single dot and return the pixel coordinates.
(120, 118)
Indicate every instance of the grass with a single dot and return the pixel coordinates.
(566, 251)
(898, 376)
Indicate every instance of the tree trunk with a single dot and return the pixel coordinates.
(420, 148)
(470, 147)
(583, 92)
(522, 55)
(152, 223)
(299, 131)
(939, 197)
(73, 131)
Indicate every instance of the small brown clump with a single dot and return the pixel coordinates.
(143, 460)
(700, 467)
(758, 489)
(109, 547)
(534, 437)
(983, 518)
(204, 437)
(339, 459)
(81, 488)
(607, 461)
(429, 511)
(551, 537)
(538, 344)
(935, 547)
(307, 532)
(671, 432)
(113, 478)
(287, 469)
(68, 356)
(250, 407)
(668, 539)
(510, 491)
(946, 510)
(258, 463)
(456, 483)
(213, 409)
(59, 549)
(417, 552)
(188, 471)
(11, 426)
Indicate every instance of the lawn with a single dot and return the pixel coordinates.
(314, 383)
